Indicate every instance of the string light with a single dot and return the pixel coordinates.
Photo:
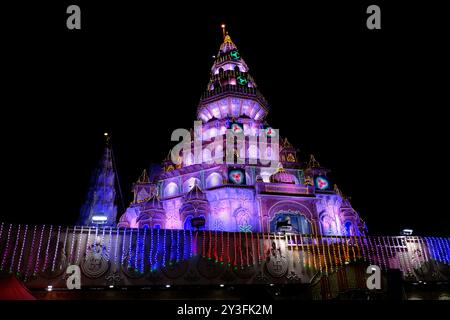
(16, 244)
(400, 256)
(164, 248)
(72, 245)
(222, 248)
(130, 248)
(38, 257)
(209, 245)
(329, 256)
(246, 249)
(143, 250)
(122, 256)
(22, 249)
(1, 230)
(441, 247)
(79, 246)
(405, 256)
(170, 247)
(102, 241)
(5, 253)
(228, 249)
(422, 250)
(324, 255)
(388, 252)
(157, 247)
(352, 245)
(361, 243)
(56, 248)
(88, 240)
(216, 258)
(258, 245)
(235, 250)
(30, 257)
(108, 250)
(335, 258)
(355, 243)
(347, 250)
(47, 249)
(136, 251)
(438, 247)
(185, 245)
(313, 252)
(150, 256)
(302, 252)
(240, 250)
(178, 246)
(308, 250)
(383, 259)
(252, 248)
(116, 246)
(204, 244)
(66, 235)
(393, 249)
(192, 244)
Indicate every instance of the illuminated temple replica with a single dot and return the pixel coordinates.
(202, 222)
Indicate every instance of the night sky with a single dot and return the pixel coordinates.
(365, 103)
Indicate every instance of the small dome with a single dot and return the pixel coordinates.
(195, 194)
(153, 203)
(281, 176)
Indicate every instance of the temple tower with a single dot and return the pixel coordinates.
(100, 207)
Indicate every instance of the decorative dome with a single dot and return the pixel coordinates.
(281, 176)
(195, 194)
(153, 203)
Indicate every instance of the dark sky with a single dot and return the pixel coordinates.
(364, 102)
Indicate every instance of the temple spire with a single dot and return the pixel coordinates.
(100, 207)
(224, 30)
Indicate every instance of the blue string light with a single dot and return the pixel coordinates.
(150, 256)
(122, 258)
(157, 249)
(143, 249)
(431, 246)
(130, 250)
(164, 249)
(171, 246)
(136, 252)
(191, 243)
(185, 254)
(178, 246)
(443, 249)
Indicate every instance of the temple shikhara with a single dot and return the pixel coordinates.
(204, 220)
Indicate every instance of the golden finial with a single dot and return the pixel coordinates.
(223, 30)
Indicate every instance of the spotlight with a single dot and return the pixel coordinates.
(111, 286)
(49, 288)
(105, 134)
(271, 284)
(222, 285)
(167, 285)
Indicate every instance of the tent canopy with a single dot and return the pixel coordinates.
(13, 289)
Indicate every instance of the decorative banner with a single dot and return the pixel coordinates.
(236, 176)
(322, 183)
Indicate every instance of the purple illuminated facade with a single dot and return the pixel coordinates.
(262, 197)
